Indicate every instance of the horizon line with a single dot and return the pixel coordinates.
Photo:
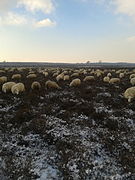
(87, 62)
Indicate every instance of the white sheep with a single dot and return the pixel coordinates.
(18, 88)
(114, 80)
(118, 71)
(16, 76)
(75, 82)
(2, 71)
(65, 72)
(35, 85)
(52, 84)
(30, 76)
(31, 72)
(60, 77)
(11, 69)
(121, 75)
(20, 69)
(84, 72)
(106, 79)
(6, 87)
(3, 79)
(130, 94)
(92, 71)
(55, 74)
(66, 78)
(46, 74)
(98, 73)
(109, 75)
(132, 81)
(76, 74)
(132, 76)
(77, 70)
(88, 78)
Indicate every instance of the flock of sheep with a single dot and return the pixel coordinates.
(72, 76)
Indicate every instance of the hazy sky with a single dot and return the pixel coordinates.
(67, 30)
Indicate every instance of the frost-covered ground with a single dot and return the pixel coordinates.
(73, 133)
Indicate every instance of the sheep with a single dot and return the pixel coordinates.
(130, 94)
(132, 81)
(77, 70)
(105, 70)
(46, 74)
(121, 75)
(76, 74)
(114, 80)
(35, 85)
(88, 78)
(31, 72)
(98, 70)
(11, 69)
(2, 71)
(16, 76)
(66, 78)
(65, 72)
(118, 71)
(75, 82)
(106, 79)
(52, 84)
(6, 87)
(20, 69)
(18, 88)
(109, 75)
(92, 71)
(70, 71)
(55, 74)
(99, 73)
(30, 76)
(60, 77)
(132, 76)
(84, 72)
(6, 69)
(3, 79)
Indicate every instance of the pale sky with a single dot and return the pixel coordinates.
(67, 30)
